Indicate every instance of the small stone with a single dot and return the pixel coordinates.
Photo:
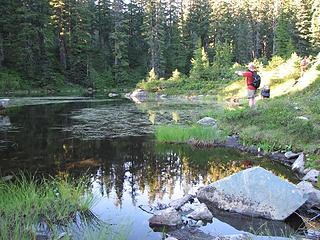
(313, 195)
(7, 178)
(171, 238)
(199, 223)
(312, 176)
(201, 213)
(298, 165)
(303, 118)
(178, 203)
(291, 155)
(168, 217)
(112, 95)
(207, 121)
(306, 170)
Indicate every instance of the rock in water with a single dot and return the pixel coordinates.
(139, 95)
(313, 195)
(178, 203)
(254, 192)
(201, 213)
(168, 217)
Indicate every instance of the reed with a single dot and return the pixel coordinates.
(27, 202)
(182, 134)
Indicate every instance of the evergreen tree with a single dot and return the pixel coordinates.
(174, 49)
(120, 39)
(154, 34)
(315, 26)
(138, 48)
(283, 33)
(197, 27)
(102, 48)
(303, 26)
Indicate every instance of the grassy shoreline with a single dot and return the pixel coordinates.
(26, 202)
(290, 120)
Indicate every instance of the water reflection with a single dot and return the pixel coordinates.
(113, 143)
(4, 121)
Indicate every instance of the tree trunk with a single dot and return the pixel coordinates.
(62, 53)
(1, 50)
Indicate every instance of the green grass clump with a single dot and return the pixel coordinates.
(182, 134)
(25, 203)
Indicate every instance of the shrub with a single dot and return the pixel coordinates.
(275, 62)
(10, 80)
(102, 80)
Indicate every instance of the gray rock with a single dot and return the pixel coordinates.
(305, 171)
(178, 203)
(127, 95)
(234, 237)
(201, 213)
(171, 238)
(199, 223)
(303, 118)
(168, 217)
(291, 155)
(113, 95)
(4, 102)
(313, 234)
(7, 178)
(139, 95)
(254, 192)
(298, 164)
(312, 176)
(207, 121)
(312, 194)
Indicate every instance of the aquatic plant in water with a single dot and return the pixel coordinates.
(29, 204)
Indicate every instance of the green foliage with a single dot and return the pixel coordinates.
(25, 202)
(102, 80)
(49, 43)
(275, 62)
(10, 80)
(200, 66)
(177, 133)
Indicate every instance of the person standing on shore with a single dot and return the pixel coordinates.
(251, 89)
(304, 65)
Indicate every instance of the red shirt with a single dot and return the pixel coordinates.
(249, 79)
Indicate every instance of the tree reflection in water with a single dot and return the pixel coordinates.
(140, 166)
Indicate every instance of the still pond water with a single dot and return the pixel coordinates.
(112, 142)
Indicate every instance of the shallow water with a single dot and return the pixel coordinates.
(112, 142)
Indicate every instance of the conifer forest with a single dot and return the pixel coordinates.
(116, 43)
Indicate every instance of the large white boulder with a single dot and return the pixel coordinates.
(254, 192)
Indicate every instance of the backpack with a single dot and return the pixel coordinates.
(256, 79)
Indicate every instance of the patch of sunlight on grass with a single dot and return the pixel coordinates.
(309, 77)
(285, 73)
(235, 90)
(293, 86)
